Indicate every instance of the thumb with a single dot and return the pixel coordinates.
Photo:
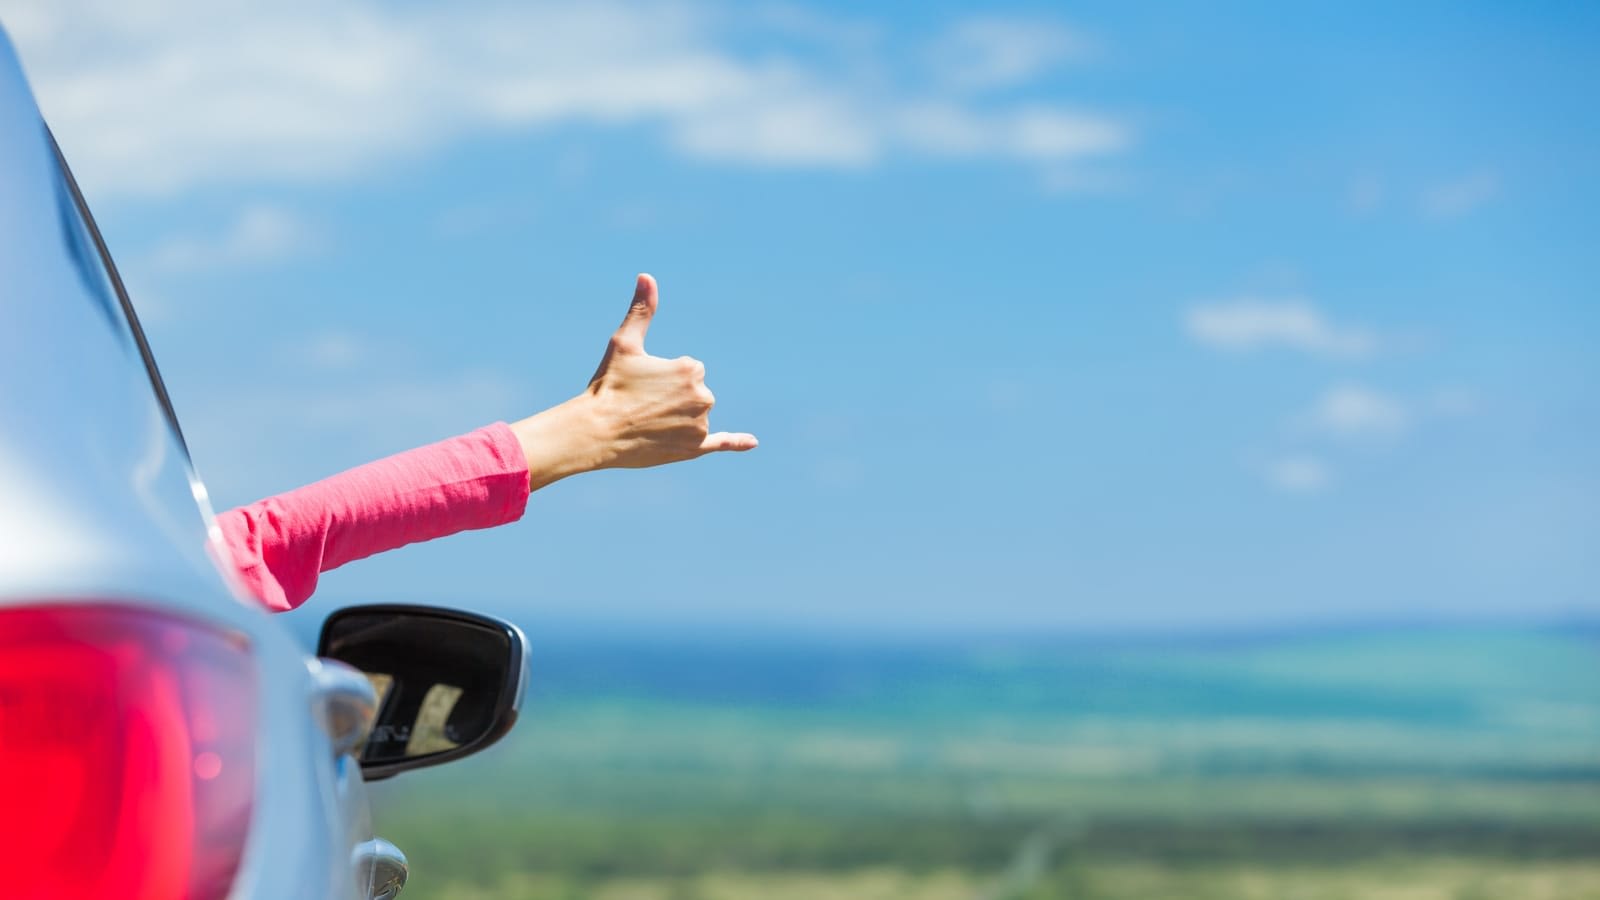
(726, 440)
(630, 334)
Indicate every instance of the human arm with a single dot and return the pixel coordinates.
(280, 545)
(637, 411)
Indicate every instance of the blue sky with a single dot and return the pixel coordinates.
(1074, 317)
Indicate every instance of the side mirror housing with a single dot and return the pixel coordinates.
(449, 682)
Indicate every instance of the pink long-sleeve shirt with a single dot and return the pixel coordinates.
(281, 544)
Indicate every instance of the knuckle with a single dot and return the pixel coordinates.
(704, 397)
(692, 367)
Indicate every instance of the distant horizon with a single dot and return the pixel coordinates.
(765, 631)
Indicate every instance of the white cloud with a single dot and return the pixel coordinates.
(167, 94)
(1453, 199)
(1354, 412)
(1298, 474)
(994, 52)
(259, 235)
(1249, 324)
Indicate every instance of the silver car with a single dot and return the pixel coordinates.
(161, 736)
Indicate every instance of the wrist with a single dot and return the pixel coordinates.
(561, 441)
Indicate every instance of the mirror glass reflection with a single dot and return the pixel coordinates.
(440, 681)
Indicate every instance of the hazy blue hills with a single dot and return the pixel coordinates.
(1422, 762)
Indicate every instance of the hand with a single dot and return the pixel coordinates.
(656, 409)
(638, 411)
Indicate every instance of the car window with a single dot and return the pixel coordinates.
(100, 277)
(80, 249)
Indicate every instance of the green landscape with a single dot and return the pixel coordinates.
(1400, 763)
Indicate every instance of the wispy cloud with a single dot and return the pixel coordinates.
(1454, 402)
(1250, 324)
(1364, 194)
(331, 351)
(1354, 412)
(164, 95)
(1298, 474)
(1458, 197)
(838, 472)
(1036, 133)
(1354, 416)
(257, 236)
(993, 51)
(1074, 180)
(487, 395)
(355, 413)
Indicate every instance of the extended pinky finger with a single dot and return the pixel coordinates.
(728, 440)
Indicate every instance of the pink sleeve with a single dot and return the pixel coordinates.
(281, 544)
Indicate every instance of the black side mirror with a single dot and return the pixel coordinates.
(449, 683)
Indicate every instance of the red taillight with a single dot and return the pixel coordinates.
(127, 754)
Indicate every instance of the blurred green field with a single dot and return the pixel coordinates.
(1407, 764)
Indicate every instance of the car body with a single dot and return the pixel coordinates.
(108, 546)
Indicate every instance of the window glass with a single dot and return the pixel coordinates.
(85, 260)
